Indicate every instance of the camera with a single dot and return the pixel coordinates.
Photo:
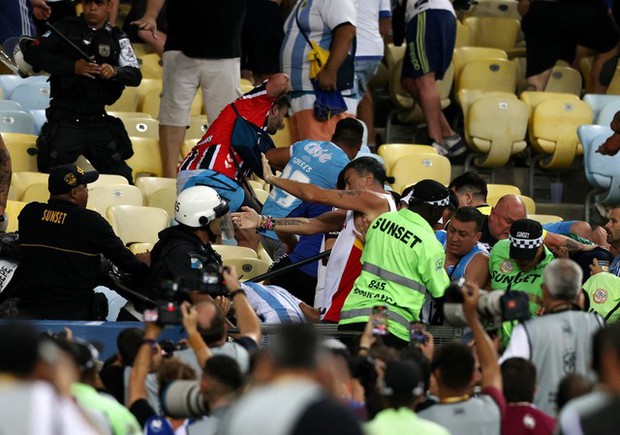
(208, 280)
(493, 307)
(183, 399)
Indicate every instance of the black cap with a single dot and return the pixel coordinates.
(429, 191)
(402, 380)
(66, 177)
(525, 239)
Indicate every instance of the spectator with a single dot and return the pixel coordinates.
(453, 371)
(331, 25)
(184, 252)
(5, 182)
(465, 256)
(602, 295)
(303, 406)
(559, 342)
(363, 201)
(213, 65)
(402, 262)
(431, 35)
(274, 304)
(16, 17)
(77, 123)
(546, 45)
(572, 386)
(156, 39)
(316, 163)
(612, 228)
(401, 387)
(471, 190)
(60, 245)
(519, 381)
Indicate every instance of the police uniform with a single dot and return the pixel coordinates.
(77, 121)
(179, 254)
(60, 247)
(402, 264)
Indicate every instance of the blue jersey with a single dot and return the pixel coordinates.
(458, 270)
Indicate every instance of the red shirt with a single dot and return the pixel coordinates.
(522, 419)
(214, 150)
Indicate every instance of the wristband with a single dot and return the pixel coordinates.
(152, 343)
(364, 348)
(236, 292)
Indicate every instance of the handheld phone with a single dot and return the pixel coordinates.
(416, 333)
(151, 315)
(379, 320)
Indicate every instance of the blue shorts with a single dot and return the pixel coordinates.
(559, 227)
(365, 69)
(227, 188)
(431, 36)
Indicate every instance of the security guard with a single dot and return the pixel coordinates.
(80, 90)
(183, 251)
(60, 245)
(603, 295)
(402, 263)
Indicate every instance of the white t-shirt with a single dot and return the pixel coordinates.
(414, 7)
(369, 40)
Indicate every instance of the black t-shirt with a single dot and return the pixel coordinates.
(208, 29)
(487, 239)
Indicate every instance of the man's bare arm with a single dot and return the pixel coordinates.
(555, 242)
(5, 174)
(330, 221)
(149, 20)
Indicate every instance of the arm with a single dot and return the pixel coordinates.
(5, 175)
(196, 342)
(523, 7)
(142, 365)
(330, 221)
(554, 242)
(278, 157)
(102, 235)
(149, 20)
(385, 25)
(478, 270)
(491, 374)
(278, 84)
(41, 9)
(247, 320)
(341, 44)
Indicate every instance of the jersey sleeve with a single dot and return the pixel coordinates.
(335, 13)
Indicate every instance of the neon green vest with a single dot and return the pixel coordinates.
(603, 290)
(402, 262)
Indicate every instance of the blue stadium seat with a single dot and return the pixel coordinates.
(40, 118)
(598, 102)
(32, 95)
(10, 105)
(16, 121)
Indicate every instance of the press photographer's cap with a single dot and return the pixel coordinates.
(66, 177)
(525, 239)
(430, 191)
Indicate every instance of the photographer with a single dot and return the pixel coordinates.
(559, 342)
(453, 369)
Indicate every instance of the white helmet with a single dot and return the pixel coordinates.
(25, 69)
(197, 206)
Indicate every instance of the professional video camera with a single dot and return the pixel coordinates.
(495, 306)
(209, 280)
(183, 399)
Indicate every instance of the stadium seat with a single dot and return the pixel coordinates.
(606, 115)
(20, 180)
(36, 192)
(149, 185)
(391, 152)
(247, 268)
(32, 95)
(128, 101)
(106, 195)
(150, 65)
(146, 158)
(137, 223)
(142, 127)
(502, 189)
(495, 8)
(410, 169)
(10, 105)
(282, 138)
(495, 127)
(152, 100)
(8, 82)
(530, 204)
(123, 116)
(488, 75)
(197, 127)
(493, 32)
(232, 251)
(245, 86)
(553, 130)
(140, 248)
(545, 218)
(16, 121)
(145, 86)
(187, 146)
(602, 172)
(40, 118)
(462, 55)
(164, 198)
(142, 48)
(105, 179)
(564, 79)
(13, 209)
(23, 150)
(598, 102)
(261, 195)
(463, 35)
(393, 54)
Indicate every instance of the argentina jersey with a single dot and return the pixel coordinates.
(314, 162)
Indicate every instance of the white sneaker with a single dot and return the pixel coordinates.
(442, 150)
(456, 145)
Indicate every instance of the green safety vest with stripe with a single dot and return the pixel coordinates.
(402, 263)
(505, 273)
(603, 290)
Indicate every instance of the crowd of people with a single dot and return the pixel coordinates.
(540, 349)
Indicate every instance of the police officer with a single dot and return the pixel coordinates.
(402, 263)
(60, 246)
(80, 90)
(183, 251)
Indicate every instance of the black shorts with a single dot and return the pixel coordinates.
(553, 31)
(262, 36)
(431, 36)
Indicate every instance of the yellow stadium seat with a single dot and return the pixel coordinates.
(564, 79)
(247, 268)
(152, 100)
(140, 248)
(534, 98)
(36, 192)
(149, 185)
(462, 55)
(391, 152)
(128, 102)
(530, 204)
(123, 116)
(261, 195)
(502, 189)
(254, 184)
(393, 54)
(488, 75)
(142, 48)
(197, 127)
(151, 66)
(136, 223)
(585, 67)
(495, 8)
(245, 86)
(20, 180)
(142, 127)
(164, 198)
(145, 86)
(463, 35)
(410, 169)
(109, 179)
(13, 209)
(187, 146)
(282, 138)
(23, 150)
(495, 126)
(233, 251)
(146, 158)
(263, 255)
(545, 218)
(106, 195)
(493, 32)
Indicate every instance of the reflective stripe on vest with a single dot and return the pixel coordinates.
(367, 312)
(394, 277)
